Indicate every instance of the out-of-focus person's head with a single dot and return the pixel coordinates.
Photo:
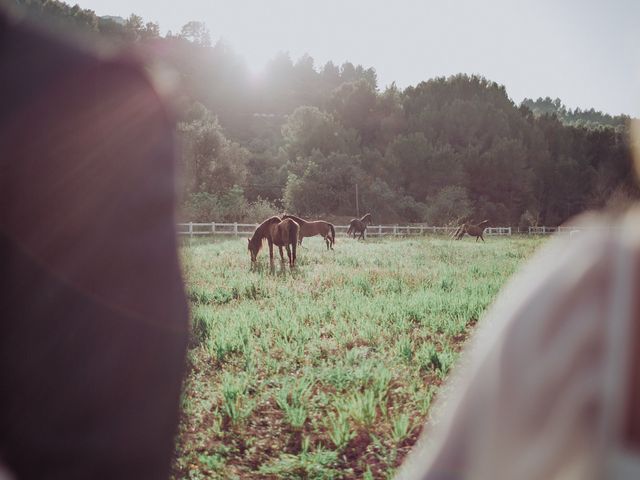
(94, 317)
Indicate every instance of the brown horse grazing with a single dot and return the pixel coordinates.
(471, 230)
(317, 227)
(282, 233)
(359, 225)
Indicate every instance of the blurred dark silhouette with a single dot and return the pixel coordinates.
(94, 317)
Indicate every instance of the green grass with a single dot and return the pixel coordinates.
(327, 371)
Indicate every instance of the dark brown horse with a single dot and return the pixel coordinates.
(471, 230)
(313, 228)
(278, 232)
(359, 225)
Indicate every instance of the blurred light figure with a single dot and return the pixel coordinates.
(549, 386)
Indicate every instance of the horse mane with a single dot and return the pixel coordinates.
(298, 220)
(259, 234)
(365, 216)
(484, 222)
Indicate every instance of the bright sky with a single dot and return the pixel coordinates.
(586, 52)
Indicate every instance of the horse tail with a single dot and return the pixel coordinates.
(293, 239)
(294, 230)
(333, 234)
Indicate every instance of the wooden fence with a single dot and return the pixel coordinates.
(245, 229)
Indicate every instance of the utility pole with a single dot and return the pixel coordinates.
(357, 206)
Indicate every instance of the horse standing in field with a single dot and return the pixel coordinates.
(278, 232)
(471, 230)
(359, 225)
(312, 228)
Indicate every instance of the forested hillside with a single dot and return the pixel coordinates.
(301, 136)
(577, 116)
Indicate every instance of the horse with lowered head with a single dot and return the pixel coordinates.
(471, 230)
(278, 232)
(359, 225)
(315, 227)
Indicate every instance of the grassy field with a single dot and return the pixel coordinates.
(327, 371)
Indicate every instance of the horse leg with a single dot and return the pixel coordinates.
(289, 255)
(271, 253)
(481, 238)
(293, 261)
(281, 254)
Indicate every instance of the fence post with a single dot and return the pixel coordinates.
(235, 228)
(395, 230)
(190, 229)
(509, 231)
(421, 231)
(379, 230)
(213, 228)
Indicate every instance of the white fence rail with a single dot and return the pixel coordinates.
(497, 231)
(569, 229)
(542, 230)
(245, 229)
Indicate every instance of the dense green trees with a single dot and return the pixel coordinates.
(591, 117)
(302, 136)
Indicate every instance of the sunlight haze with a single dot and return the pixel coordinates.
(586, 53)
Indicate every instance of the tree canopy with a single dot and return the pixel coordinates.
(303, 135)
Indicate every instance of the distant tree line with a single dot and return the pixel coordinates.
(300, 137)
(577, 116)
